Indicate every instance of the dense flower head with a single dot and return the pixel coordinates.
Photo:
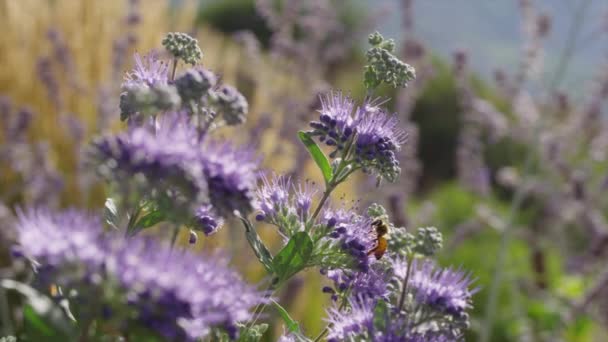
(232, 104)
(57, 239)
(273, 199)
(444, 290)
(357, 321)
(194, 83)
(371, 135)
(149, 70)
(378, 139)
(231, 175)
(284, 203)
(352, 234)
(162, 160)
(206, 220)
(372, 284)
(177, 294)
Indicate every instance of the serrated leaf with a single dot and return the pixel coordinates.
(260, 250)
(293, 257)
(290, 323)
(317, 155)
(110, 213)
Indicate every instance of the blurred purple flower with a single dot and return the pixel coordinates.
(231, 175)
(163, 159)
(148, 70)
(206, 220)
(272, 199)
(178, 294)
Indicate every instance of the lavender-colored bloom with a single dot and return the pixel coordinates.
(231, 175)
(303, 197)
(337, 122)
(161, 161)
(378, 139)
(47, 76)
(357, 321)
(206, 220)
(177, 294)
(149, 70)
(59, 239)
(445, 290)
(372, 284)
(377, 135)
(273, 199)
(352, 234)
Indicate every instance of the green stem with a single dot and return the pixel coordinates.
(568, 52)
(406, 280)
(326, 194)
(516, 203)
(7, 326)
(174, 236)
(326, 329)
(174, 69)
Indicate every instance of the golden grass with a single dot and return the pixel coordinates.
(90, 29)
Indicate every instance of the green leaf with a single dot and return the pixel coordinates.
(43, 317)
(260, 250)
(317, 155)
(293, 257)
(252, 334)
(110, 213)
(151, 218)
(291, 325)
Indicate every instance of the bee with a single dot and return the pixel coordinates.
(381, 229)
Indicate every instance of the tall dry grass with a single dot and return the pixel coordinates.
(91, 30)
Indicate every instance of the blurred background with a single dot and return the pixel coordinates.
(506, 121)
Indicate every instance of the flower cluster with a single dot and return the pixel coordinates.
(172, 163)
(367, 137)
(166, 159)
(177, 294)
(281, 203)
(183, 47)
(385, 67)
(442, 294)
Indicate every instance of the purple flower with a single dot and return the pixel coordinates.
(160, 162)
(231, 175)
(337, 121)
(273, 199)
(59, 239)
(357, 321)
(206, 220)
(373, 134)
(372, 284)
(352, 234)
(149, 70)
(303, 197)
(445, 290)
(177, 294)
